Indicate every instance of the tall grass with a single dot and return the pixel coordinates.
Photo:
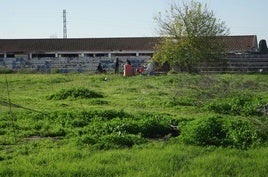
(139, 126)
(153, 160)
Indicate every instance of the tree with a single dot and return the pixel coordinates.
(263, 46)
(190, 36)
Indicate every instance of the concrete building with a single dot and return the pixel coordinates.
(84, 53)
(87, 47)
(101, 47)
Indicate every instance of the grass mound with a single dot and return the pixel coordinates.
(240, 104)
(219, 131)
(74, 93)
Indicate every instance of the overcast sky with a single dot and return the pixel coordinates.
(117, 18)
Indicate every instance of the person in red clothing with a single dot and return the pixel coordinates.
(128, 69)
(140, 70)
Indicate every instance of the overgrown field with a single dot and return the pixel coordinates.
(110, 125)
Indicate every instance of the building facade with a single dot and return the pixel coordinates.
(85, 53)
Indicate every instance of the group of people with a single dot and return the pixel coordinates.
(128, 68)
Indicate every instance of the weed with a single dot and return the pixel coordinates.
(239, 104)
(219, 131)
(74, 93)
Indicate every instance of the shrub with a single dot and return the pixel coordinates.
(203, 132)
(222, 107)
(111, 141)
(129, 127)
(74, 93)
(119, 141)
(241, 134)
(218, 131)
(154, 127)
(241, 104)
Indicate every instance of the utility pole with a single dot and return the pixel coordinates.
(64, 24)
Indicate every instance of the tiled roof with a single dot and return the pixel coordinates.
(234, 43)
(79, 44)
(241, 43)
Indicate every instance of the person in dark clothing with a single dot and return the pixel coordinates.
(100, 69)
(128, 62)
(116, 66)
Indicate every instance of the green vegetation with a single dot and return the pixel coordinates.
(174, 125)
(74, 93)
(190, 37)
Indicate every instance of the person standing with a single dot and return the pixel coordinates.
(128, 69)
(116, 66)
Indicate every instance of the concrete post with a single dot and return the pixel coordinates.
(30, 55)
(110, 55)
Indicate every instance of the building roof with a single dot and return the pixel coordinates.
(234, 43)
(241, 43)
(77, 44)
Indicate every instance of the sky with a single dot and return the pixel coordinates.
(22, 19)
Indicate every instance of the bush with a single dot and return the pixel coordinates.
(154, 129)
(204, 132)
(241, 104)
(74, 93)
(130, 127)
(111, 141)
(218, 131)
(154, 126)
(241, 134)
(119, 141)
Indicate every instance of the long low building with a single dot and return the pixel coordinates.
(84, 54)
(102, 47)
(80, 47)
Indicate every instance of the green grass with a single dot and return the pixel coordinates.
(86, 125)
(153, 160)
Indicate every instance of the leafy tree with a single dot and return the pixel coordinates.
(190, 36)
(263, 46)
